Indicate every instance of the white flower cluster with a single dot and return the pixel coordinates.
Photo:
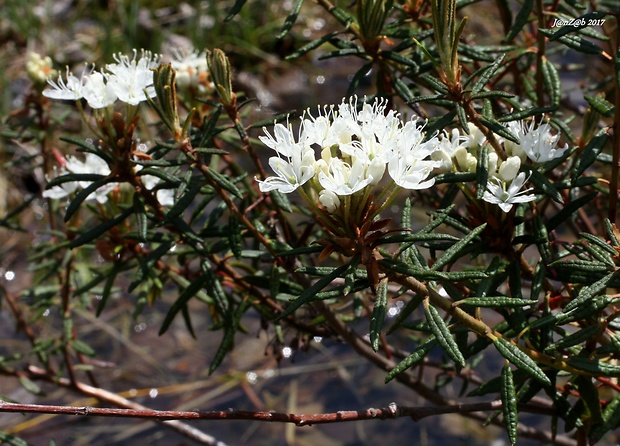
(457, 154)
(129, 80)
(192, 70)
(356, 148)
(93, 164)
(39, 69)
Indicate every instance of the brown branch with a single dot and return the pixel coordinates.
(391, 411)
(173, 418)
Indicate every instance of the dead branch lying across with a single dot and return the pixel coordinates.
(391, 411)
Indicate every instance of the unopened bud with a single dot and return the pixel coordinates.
(219, 66)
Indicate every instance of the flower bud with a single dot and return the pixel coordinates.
(493, 158)
(219, 66)
(39, 69)
(509, 169)
(329, 199)
(376, 169)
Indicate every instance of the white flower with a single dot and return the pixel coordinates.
(71, 90)
(164, 196)
(475, 138)
(497, 193)
(92, 164)
(293, 166)
(446, 150)
(539, 144)
(344, 179)
(512, 148)
(63, 190)
(129, 78)
(189, 67)
(97, 93)
(408, 166)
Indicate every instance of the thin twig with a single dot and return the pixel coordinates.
(117, 400)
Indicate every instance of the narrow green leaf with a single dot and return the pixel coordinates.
(358, 77)
(589, 292)
(188, 321)
(141, 219)
(162, 174)
(498, 128)
(83, 195)
(281, 200)
(611, 420)
(311, 291)
(461, 117)
(601, 105)
(486, 76)
(100, 229)
(350, 276)
(223, 182)
(599, 242)
(234, 235)
(521, 20)
(509, 404)
(496, 302)
(589, 154)
(225, 346)
(526, 113)
(107, 289)
(434, 83)
(209, 128)
(181, 301)
(516, 356)
(457, 249)
(551, 80)
(405, 216)
(409, 307)
(542, 182)
(401, 59)
(12, 440)
(290, 20)
(442, 334)
(73, 177)
(82, 347)
(583, 335)
(493, 94)
(594, 367)
(415, 357)
(235, 10)
(378, 314)
(589, 394)
(214, 289)
(410, 270)
(577, 43)
(312, 45)
(30, 386)
(88, 147)
(568, 209)
(455, 177)
(403, 90)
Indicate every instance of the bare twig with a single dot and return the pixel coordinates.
(125, 404)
